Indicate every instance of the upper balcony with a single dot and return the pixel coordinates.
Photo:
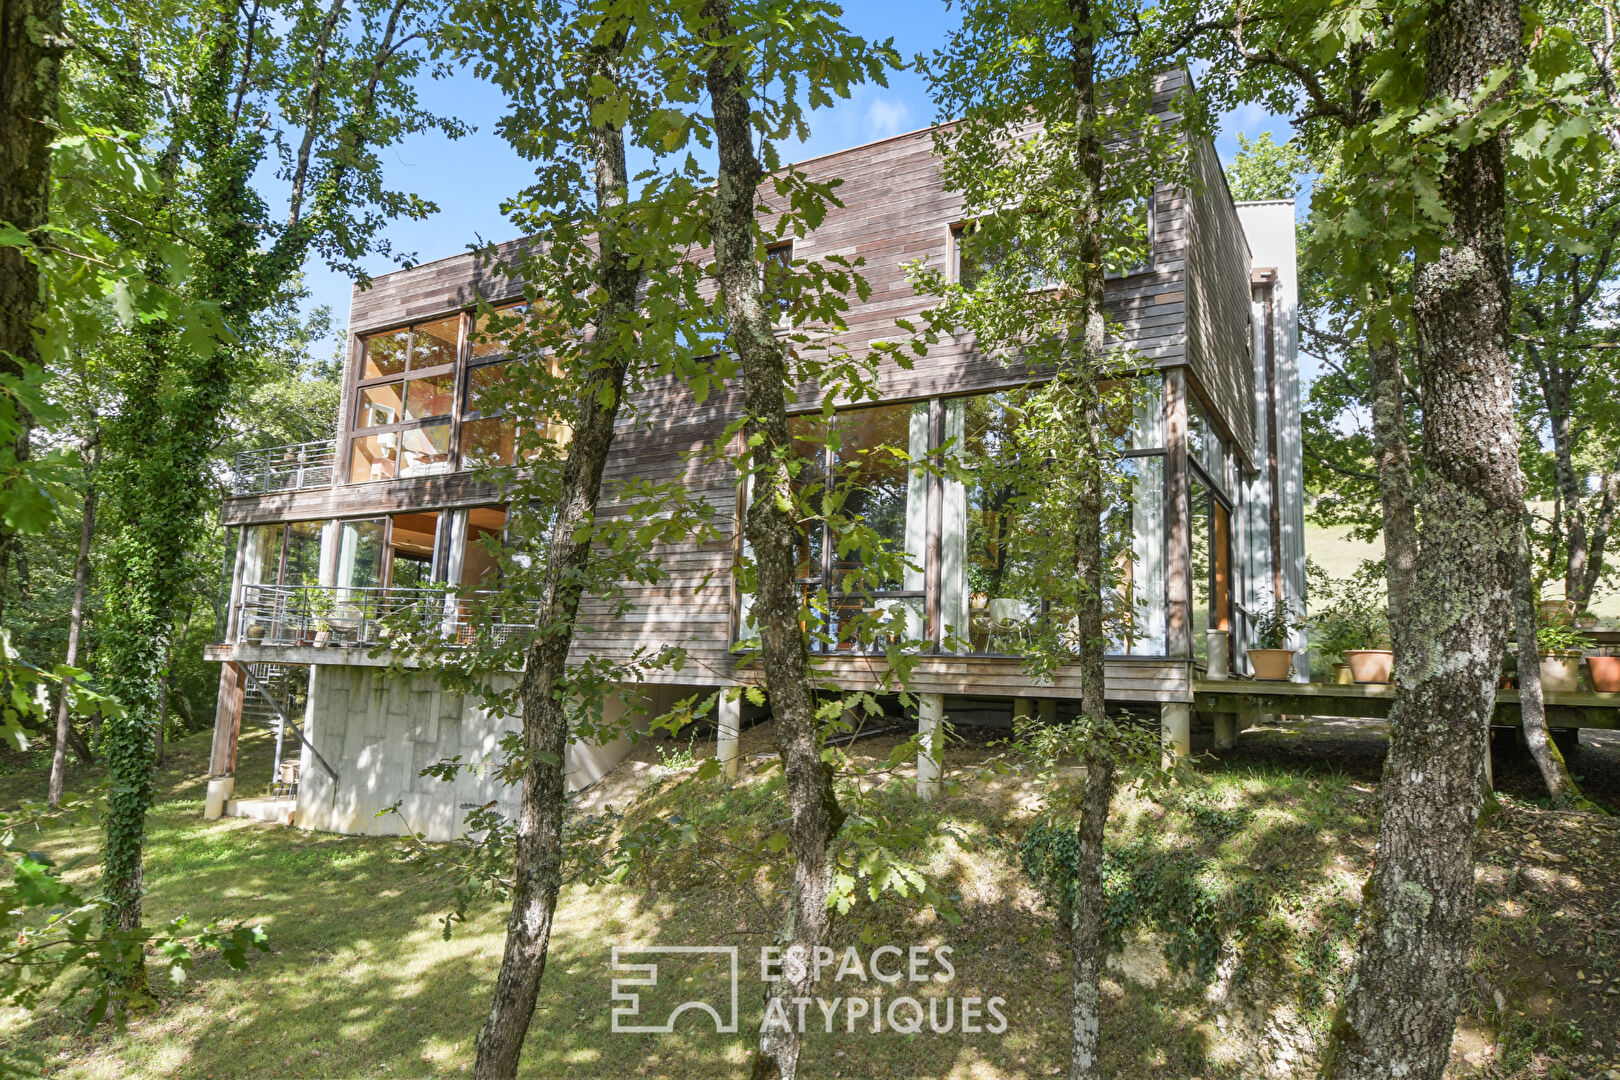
(298, 467)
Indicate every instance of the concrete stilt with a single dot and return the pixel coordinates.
(930, 760)
(1175, 731)
(1048, 710)
(1023, 710)
(1226, 731)
(730, 727)
(220, 789)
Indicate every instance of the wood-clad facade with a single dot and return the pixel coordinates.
(1187, 315)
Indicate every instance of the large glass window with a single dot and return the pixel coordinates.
(990, 592)
(284, 554)
(360, 553)
(992, 582)
(479, 567)
(404, 402)
(867, 455)
(490, 432)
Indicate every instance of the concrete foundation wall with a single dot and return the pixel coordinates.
(378, 730)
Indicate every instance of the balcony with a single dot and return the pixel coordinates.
(284, 468)
(366, 617)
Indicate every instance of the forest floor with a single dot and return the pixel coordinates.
(1234, 893)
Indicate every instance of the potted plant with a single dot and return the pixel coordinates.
(1558, 646)
(1604, 671)
(1335, 637)
(1354, 625)
(1271, 658)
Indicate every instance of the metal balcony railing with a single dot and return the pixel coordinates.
(284, 468)
(340, 616)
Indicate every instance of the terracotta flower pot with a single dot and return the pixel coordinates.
(1370, 665)
(1605, 673)
(1272, 664)
(1560, 672)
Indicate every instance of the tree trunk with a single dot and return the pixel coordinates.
(1394, 483)
(773, 533)
(1416, 925)
(1602, 526)
(1086, 916)
(1555, 391)
(81, 577)
(30, 71)
(538, 857)
(157, 479)
(1532, 710)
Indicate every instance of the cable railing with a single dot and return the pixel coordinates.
(348, 616)
(284, 468)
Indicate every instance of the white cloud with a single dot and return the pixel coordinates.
(885, 117)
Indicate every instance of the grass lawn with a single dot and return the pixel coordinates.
(1236, 894)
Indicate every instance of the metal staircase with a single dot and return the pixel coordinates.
(274, 695)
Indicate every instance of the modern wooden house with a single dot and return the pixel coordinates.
(347, 528)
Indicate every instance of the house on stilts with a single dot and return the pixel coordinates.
(398, 505)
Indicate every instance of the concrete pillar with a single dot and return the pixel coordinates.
(1226, 730)
(220, 789)
(930, 760)
(1048, 710)
(730, 726)
(1215, 649)
(1023, 710)
(1175, 732)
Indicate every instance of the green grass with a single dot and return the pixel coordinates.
(1265, 859)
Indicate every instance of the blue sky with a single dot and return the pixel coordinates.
(469, 177)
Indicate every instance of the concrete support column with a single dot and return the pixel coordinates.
(930, 760)
(730, 727)
(220, 789)
(1175, 732)
(1226, 730)
(1216, 654)
(1047, 708)
(1023, 710)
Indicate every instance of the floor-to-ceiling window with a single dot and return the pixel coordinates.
(960, 543)
(993, 582)
(864, 461)
(1209, 507)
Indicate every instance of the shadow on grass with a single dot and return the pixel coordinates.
(360, 981)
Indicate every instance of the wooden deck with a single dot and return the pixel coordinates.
(1584, 710)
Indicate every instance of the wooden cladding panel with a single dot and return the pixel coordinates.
(668, 437)
(1219, 337)
(895, 211)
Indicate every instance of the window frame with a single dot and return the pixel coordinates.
(955, 230)
(783, 317)
(931, 595)
(823, 582)
(460, 372)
